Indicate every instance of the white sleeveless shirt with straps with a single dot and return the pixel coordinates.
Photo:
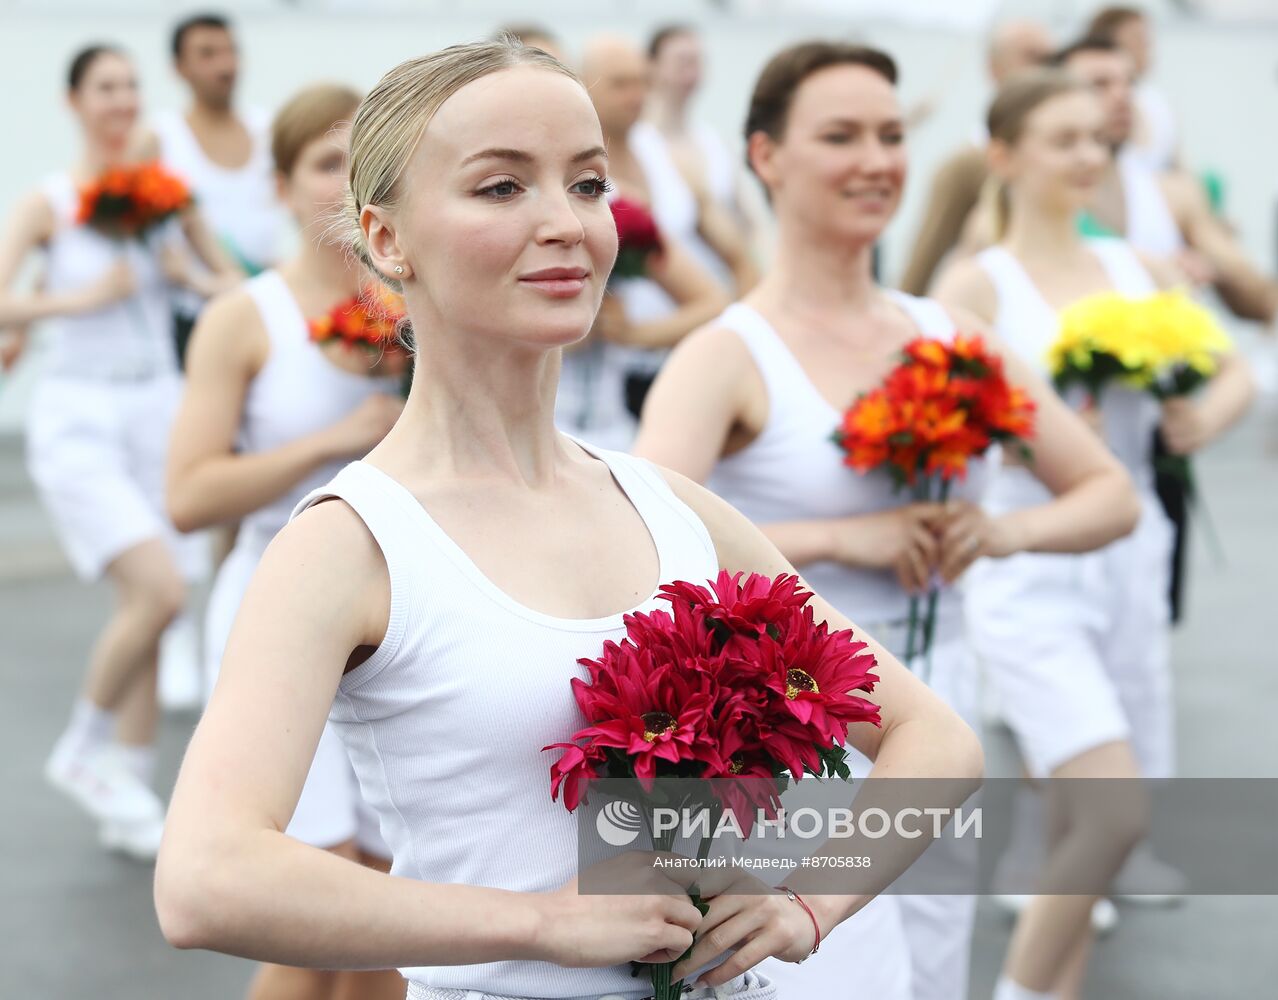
(239, 203)
(446, 720)
(297, 392)
(1029, 325)
(131, 338)
(793, 471)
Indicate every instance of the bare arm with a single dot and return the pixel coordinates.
(208, 482)
(224, 274)
(1247, 292)
(697, 296)
(30, 227)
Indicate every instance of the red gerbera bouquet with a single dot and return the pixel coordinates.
(369, 322)
(736, 682)
(130, 201)
(638, 238)
(942, 406)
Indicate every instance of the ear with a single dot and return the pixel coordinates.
(998, 157)
(761, 155)
(382, 240)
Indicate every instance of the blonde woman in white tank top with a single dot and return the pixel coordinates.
(1076, 649)
(96, 434)
(266, 417)
(435, 606)
(761, 390)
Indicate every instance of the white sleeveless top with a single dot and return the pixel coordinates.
(445, 722)
(1150, 225)
(1029, 325)
(130, 338)
(297, 392)
(793, 471)
(240, 204)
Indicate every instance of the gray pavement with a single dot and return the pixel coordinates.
(76, 923)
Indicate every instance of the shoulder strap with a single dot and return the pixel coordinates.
(1123, 266)
(281, 315)
(927, 314)
(784, 377)
(62, 195)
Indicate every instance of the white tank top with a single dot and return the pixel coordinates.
(1028, 324)
(240, 204)
(446, 721)
(793, 471)
(297, 392)
(1150, 226)
(129, 338)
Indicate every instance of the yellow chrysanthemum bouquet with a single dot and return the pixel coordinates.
(1164, 344)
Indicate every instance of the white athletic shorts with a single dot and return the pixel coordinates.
(96, 451)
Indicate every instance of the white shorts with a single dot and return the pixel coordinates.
(96, 451)
(331, 810)
(1075, 648)
(751, 986)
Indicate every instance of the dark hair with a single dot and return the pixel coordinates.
(775, 89)
(193, 22)
(84, 60)
(1088, 43)
(1106, 21)
(664, 34)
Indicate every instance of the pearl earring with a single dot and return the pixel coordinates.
(399, 269)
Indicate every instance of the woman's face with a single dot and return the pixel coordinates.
(107, 100)
(1061, 154)
(502, 221)
(316, 188)
(841, 164)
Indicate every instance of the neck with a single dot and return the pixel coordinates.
(811, 275)
(203, 113)
(1037, 230)
(484, 413)
(669, 112)
(100, 154)
(328, 266)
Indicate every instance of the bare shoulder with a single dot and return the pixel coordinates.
(716, 347)
(965, 287)
(330, 560)
(33, 217)
(231, 328)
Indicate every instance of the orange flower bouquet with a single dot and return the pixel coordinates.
(942, 406)
(131, 201)
(369, 322)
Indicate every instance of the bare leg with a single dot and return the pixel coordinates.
(386, 984)
(1095, 841)
(138, 712)
(1070, 984)
(149, 595)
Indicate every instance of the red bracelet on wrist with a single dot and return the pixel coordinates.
(808, 910)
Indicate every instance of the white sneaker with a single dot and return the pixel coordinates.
(1104, 913)
(180, 684)
(140, 840)
(103, 787)
(1145, 881)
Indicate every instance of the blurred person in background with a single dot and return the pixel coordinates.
(1013, 47)
(97, 430)
(605, 379)
(721, 240)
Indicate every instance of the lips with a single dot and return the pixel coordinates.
(557, 282)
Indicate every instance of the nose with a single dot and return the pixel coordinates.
(560, 223)
(875, 158)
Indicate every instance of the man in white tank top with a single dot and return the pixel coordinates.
(1165, 214)
(222, 153)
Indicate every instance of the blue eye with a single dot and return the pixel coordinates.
(501, 189)
(594, 187)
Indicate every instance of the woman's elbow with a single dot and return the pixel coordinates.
(184, 510)
(181, 903)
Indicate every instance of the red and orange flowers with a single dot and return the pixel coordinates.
(637, 238)
(370, 321)
(942, 406)
(131, 201)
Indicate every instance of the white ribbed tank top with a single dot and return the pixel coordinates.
(446, 721)
(793, 471)
(1028, 324)
(129, 338)
(297, 392)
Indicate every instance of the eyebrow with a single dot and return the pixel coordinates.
(520, 156)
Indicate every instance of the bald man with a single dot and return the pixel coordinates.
(1014, 46)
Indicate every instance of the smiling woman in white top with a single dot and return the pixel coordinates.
(433, 600)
